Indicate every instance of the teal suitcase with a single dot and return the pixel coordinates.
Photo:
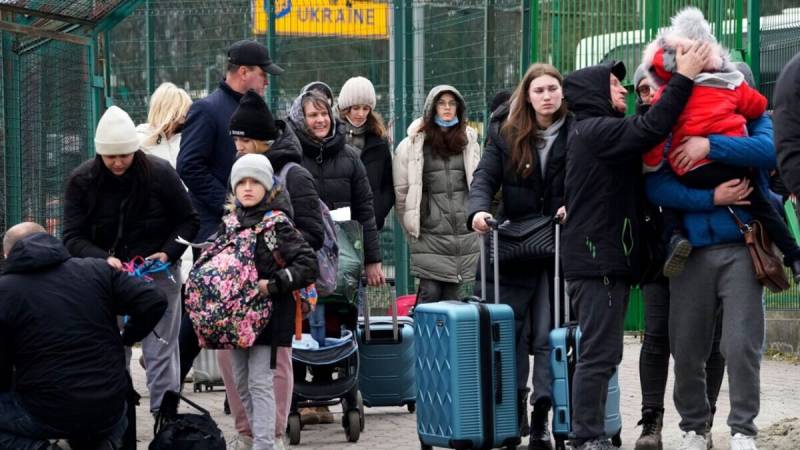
(466, 374)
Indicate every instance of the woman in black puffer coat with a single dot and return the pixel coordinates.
(365, 131)
(124, 204)
(526, 156)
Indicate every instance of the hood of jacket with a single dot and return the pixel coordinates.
(35, 252)
(427, 110)
(588, 91)
(286, 148)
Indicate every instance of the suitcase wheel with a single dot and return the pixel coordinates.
(560, 444)
(412, 407)
(616, 440)
(293, 429)
(209, 388)
(197, 387)
(426, 447)
(353, 426)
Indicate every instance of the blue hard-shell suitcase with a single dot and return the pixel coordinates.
(386, 368)
(466, 374)
(564, 354)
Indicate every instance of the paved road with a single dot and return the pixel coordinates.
(395, 428)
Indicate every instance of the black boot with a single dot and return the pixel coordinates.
(652, 420)
(522, 412)
(540, 433)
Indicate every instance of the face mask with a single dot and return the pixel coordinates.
(446, 123)
(357, 125)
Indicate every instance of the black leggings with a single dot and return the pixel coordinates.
(712, 175)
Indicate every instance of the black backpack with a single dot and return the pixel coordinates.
(175, 431)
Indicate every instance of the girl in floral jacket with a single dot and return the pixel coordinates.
(292, 265)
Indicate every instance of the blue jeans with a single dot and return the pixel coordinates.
(21, 431)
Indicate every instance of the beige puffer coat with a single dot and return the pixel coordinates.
(437, 256)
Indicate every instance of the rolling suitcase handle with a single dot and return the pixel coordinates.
(494, 225)
(557, 278)
(395, 325)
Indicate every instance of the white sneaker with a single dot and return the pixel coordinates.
(241, 442)
(742, 442)
(693, 441)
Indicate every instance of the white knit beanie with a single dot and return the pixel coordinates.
(255, 166)
(357, 91)
(116, 133)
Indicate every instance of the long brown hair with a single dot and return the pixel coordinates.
(374, 122)
(521, 130)
(446, 142)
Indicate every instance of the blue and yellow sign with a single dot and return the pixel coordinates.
(344, 18)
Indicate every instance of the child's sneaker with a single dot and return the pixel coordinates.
(679, 250)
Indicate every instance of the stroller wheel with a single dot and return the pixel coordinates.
(412, 407)
(360, 404)
(353, 427)
(293, 426)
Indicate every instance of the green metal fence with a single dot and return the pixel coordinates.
(53, 92)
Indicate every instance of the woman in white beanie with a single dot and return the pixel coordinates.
(365, 131)
(123, 204)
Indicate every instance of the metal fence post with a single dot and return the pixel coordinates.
(754, 39)
(13, 120)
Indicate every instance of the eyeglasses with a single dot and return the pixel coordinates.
(644, 89)
(446, 104)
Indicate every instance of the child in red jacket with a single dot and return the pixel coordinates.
(721, 104)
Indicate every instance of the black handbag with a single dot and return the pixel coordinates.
(526, 239)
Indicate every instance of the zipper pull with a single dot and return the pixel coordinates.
(319, 157)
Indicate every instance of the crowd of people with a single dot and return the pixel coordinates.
(650, 198)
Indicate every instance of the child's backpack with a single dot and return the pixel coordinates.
(222, 296)
(328, 255)
(175, 431)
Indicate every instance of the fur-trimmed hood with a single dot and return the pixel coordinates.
(688, 26)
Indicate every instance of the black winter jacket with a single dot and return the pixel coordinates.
(786, 119)
(342, 182)
(377, 159)
(207, 153)
(299, 269)
(92, 215)
(604, 170)
(299, 185)
(58, 328)
(520, 196)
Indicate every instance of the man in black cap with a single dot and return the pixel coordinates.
(207, 150)
(600, 239)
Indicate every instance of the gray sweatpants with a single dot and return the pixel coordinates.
(254, 381)
(162, 356)
(720, 275)
(600, 304)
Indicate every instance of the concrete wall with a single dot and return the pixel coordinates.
(783, 331)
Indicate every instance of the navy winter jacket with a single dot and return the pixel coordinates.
(206, 155)
(705, 223)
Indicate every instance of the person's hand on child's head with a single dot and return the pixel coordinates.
(692, 60)
(690, 151)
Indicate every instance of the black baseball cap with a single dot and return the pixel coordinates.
(252, 53)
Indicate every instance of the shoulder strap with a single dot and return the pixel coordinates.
(743, 228)
(285, 171)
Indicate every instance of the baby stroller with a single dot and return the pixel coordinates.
(333, 323)
(341, 356)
